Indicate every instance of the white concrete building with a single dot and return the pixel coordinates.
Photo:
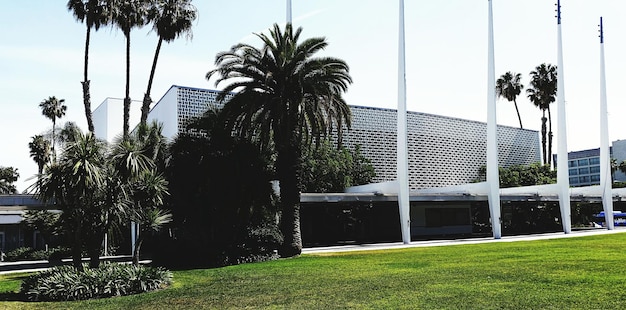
(108, 118)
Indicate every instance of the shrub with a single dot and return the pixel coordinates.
(28, 253)
(110, 279)
(19, 254)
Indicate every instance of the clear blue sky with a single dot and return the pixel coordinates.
(41, 55)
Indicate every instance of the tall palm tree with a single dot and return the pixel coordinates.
(171, 19)
(509, 87)
(93, 13)
(40, 151)
(53, 108)
(542, 92)
(284, 95)
(128, 14)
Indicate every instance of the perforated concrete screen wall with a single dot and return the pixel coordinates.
(442, 150)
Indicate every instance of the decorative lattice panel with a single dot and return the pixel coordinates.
(442, 150)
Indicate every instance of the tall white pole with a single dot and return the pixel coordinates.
(606, 181)
(289, 11)
(403, 166)
(493, 178)
(562, 170)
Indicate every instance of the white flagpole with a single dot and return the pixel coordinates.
(493, 178)
(402, 168)
(289, 11)
(606, 181)
(562, 169)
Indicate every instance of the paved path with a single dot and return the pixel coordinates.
(430, 243)
(41, 265)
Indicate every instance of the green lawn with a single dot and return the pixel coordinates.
(570, 273)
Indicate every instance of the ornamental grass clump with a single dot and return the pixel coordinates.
(68, 283)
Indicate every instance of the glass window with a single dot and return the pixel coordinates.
(573, 171)
(594, 169)
(594, 161)
(584, 179)
(572, 163)
(583, 170)
(595, 178)
(583, 162)
(573, 180)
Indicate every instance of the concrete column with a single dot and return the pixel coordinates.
(562, 170)
(606, 182)
(493, 177)
(403, 167)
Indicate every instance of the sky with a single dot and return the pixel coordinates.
(42, 50)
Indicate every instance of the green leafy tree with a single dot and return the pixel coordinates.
(53, 109)
(621, 167)
(327, 168)
(48, 223)
(170, 19)
(221, 196)
(40, 151)
(542, 92)
(284, 95)
(94, 13)
(127, 15)
(8, 176)
(522, 175)
(509, 87)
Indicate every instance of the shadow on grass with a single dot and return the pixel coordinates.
(12, 296)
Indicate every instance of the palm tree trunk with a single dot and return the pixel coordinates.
(127, 97)
(95, 249)
(145, 108)
(54, 152)
(85, 83)
(288, 169)
(77, 246)
(137, 249)
(518, 116)
(543, 136)
(549, 137)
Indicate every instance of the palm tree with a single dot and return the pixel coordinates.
(53, 108)
(148, 194)
(509, 87)
(74, 183)
(128, 14)
(94, 14)
(542, 93)
(284, 95)
(171, 19)
(40, 151)
(136, 160)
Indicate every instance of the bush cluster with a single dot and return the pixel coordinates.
(110, 279)
(28, 253)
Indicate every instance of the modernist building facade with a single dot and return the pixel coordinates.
(442, 150)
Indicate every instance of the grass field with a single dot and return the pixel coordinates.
(570, 273)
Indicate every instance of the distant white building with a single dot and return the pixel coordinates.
(108, 120)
